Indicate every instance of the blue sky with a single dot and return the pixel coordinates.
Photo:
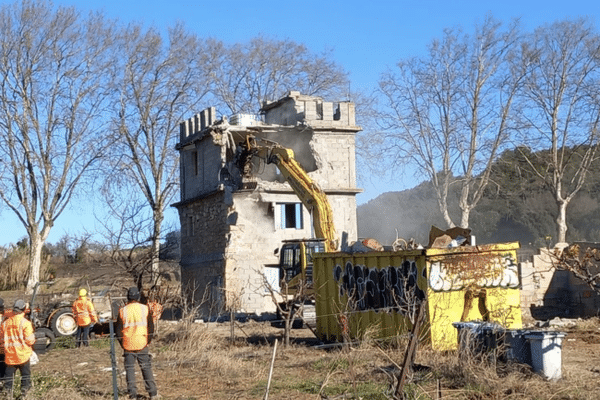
(366, 37)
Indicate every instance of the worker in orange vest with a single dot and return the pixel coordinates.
(17, 337)
(85, 316)
(135, 329)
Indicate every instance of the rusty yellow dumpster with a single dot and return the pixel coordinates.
(378, 293)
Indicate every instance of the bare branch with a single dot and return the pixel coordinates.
(243, 76)
(53, 89)
(448, 114)
(563, 108)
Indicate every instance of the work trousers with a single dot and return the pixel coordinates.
(144, 359)
(9, 378)
(2, 367)
(83, 335)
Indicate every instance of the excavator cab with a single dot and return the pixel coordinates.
(296, 263)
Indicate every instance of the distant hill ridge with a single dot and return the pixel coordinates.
(512, 209)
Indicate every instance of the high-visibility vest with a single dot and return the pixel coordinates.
(3, 317)
(18, 339)
(83, 310)
(7, 314)
(135, 326)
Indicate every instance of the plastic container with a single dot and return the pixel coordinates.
(546, 353)
(478, 337)
(492, 336)
(468, 339)
(518, 348)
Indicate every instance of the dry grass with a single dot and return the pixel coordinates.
(473, 376)
(15, 270)
(199, 361)
(197, 348)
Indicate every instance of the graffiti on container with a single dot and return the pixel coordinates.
(380, 289)
(481, 271)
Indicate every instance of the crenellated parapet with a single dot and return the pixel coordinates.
(291, 110)
(196, 124)
(296, 108)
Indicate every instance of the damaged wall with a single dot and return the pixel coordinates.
(228, 252)
(547, 292)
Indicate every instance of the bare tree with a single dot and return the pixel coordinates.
(159, 84)
(125, 237)
(563, 106)
(63, 248)
(52, 93)
(581, 260)
(290, 304)
(448, 114)
(243, 76)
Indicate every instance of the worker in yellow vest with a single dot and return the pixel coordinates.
(85, 316)
(135, 329)
(17, 337)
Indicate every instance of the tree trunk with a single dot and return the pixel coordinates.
(561, 221)
(155, 269)
(36, 243)
(155, 274)
(466, 214)
(287, 328)
(443, 204)
(447, 218)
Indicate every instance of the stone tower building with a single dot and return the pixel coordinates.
(230, 226)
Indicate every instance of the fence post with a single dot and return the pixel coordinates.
(271, 371)
(411, 349)
(113, 361)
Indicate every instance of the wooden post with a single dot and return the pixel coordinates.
(113, 360)
(410, 350)
(271, 371)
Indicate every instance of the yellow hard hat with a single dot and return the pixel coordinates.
(82, 292)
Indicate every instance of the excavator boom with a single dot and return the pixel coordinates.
(309, 193)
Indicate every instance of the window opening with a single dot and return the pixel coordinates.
(290, 215)
(195, 161)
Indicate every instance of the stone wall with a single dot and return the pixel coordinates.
(297, 108)
(201, 159)
(204, 234)
(336, 160)
(196, 124)
(547, 292)
(204, 177)
(252, 246)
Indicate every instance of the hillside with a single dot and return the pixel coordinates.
(515, 207)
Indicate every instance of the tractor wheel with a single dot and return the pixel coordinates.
(44, 340)
(63, 323)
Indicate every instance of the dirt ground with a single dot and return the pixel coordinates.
(200, 361)
(237, 370)
(240, 370)
(581, 354)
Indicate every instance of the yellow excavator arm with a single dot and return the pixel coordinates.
(309, 193)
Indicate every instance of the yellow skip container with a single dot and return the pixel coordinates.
(378, 293)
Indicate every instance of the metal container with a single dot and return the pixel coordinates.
(377, 293)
